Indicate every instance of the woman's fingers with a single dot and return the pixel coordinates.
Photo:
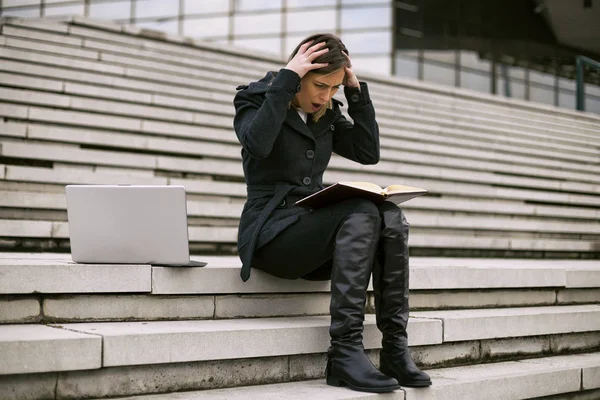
(350, 79)
(316, 54)
(347, 57)
(303, 60)
(318, 65)
(304, 47)
(314, 48)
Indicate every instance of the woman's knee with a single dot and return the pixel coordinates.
(362, 206)
(393, 219)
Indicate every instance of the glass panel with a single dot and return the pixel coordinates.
(270, 45)
(374, 64)
(500, 88)
(310, 21)
(171, 26)
(205, 6)
(156, 8)
(566, 99)
(592, 104)
(408, 53)
(206, 27)
(475, 81)
(516, 72)
(380, 17)
(470, 59)
(541, 77)
(118, 10)
(249, 5)
(445, 56)
(565, 83)
(372, 42)
(23, 12)
(310, 3)
(438, 74)
(592, 89)
(541, 94)
(256, 24)
(517, 89)
(47, 2)
(407, 67)
(18, 3)
(77, 9)
(365, 1)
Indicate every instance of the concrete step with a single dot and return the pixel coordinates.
(434, 218)
(120, 307)
(228, 110)
(112, 48)
(515, 322)
(392, 161)
(126, 47)
(400, 149)
(509, 109)
(127, 343)
(31, 272)
(20, 68)
(420, 237)
(462, 132)
(218, 208)
(513, 380)
(383, 116)
(173, 45)
(77, 175)
(513, 118)
(39, 348)
(157, 144)
(36, 284)
(340, 170)
(221, 276)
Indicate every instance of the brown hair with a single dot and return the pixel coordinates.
(334, 57)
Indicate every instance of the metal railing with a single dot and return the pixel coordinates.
(581, 62)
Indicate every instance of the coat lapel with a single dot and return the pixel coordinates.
(294, 121)
(323, 125)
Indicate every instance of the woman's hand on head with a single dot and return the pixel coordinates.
(303, 60)
(350, 80)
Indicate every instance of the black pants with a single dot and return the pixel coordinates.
(305, 249)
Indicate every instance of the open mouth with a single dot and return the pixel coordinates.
(316, 106)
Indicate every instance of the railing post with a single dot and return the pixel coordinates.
(580, 84)
(506, 77)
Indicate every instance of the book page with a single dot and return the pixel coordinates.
(392, 189)
(371, 187)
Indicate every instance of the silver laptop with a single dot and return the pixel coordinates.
(127, 224)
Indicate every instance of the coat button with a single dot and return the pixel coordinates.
(332, 127)
(298, 88)
(283, 203)
(306, 180)
(310, 154)
(355, 97)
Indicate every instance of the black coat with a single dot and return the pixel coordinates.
(284, 156)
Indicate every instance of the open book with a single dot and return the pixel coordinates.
(346, 190)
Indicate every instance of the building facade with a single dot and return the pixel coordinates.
(495, 46)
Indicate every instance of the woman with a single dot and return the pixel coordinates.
(288, 124)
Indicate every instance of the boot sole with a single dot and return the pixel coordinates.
(415, 384)
(341, 382)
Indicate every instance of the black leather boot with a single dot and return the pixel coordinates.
(347, 363)
(390, 284)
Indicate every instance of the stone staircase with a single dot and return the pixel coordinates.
(505, 273)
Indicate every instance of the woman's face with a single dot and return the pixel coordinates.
(316, 90)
